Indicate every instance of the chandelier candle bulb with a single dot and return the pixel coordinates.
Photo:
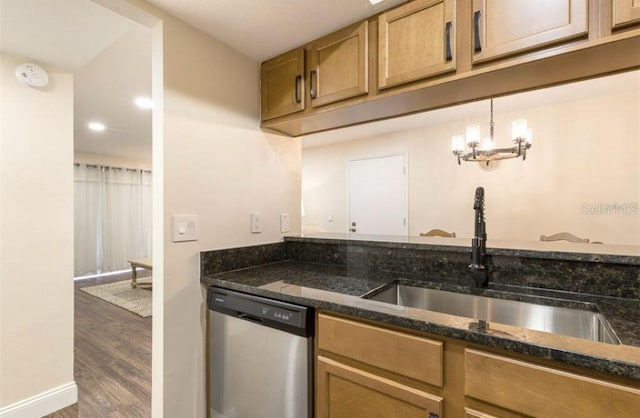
(473, 135)
(487, 144)
(519, 129)
(457, 143)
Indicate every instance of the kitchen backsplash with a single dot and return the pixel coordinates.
(617, 277)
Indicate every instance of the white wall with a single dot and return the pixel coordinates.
(584, 152)
(36, 237)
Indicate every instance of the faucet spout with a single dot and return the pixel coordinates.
(478, 266)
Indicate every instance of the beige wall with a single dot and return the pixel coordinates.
(210, 159)
(585, 152)
(36, 235)
(220, 166)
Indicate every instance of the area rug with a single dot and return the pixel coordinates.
(121, 294)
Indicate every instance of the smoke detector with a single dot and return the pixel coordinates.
(32, 75)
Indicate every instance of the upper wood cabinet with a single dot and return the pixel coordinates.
(625, 12)
(503, 27)
(429, 54)
(416, 41)
(282, 84)
(338, 65)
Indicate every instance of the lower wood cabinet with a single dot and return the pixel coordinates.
(368, 371)
(539, 391)
(349, 392)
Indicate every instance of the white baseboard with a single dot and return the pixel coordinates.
(43, 403)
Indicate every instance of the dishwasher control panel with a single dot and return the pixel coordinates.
(281, 315)
(269, 312)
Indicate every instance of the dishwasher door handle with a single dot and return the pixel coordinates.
(250, 318)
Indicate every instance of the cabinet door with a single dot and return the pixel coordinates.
(503, 27)
(339, 66)
(625, 12)
(347, 392)
(282, 84)
(416, 41)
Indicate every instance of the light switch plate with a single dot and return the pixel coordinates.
(285, 223)
(184, 228)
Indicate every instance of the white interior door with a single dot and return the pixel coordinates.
(378, 196)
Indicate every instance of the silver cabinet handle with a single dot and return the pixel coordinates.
(477, 47)
(312, 91)
(296, 87)
(447, 49)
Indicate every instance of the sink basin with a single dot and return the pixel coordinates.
(557, 320)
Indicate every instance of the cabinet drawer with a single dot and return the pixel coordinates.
(404, 354)
(347, 392)
(539, 391)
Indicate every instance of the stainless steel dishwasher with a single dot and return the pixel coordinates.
(260, 357)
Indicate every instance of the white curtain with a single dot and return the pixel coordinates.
(112, 217)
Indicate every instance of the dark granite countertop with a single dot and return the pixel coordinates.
(338, 289)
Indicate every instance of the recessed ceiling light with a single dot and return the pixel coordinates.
(96, 126)
(374, 2)
(143, 102)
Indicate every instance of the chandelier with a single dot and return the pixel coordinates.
(486, 152)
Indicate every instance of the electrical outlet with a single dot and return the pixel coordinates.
(256, 222)
(285, 223)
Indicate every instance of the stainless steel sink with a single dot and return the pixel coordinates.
(557, 320)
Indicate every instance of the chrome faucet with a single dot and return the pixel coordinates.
(478, 266)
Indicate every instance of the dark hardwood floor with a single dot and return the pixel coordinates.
(112, 365)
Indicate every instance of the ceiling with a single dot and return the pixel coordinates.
(110, 57)
(262, 29)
